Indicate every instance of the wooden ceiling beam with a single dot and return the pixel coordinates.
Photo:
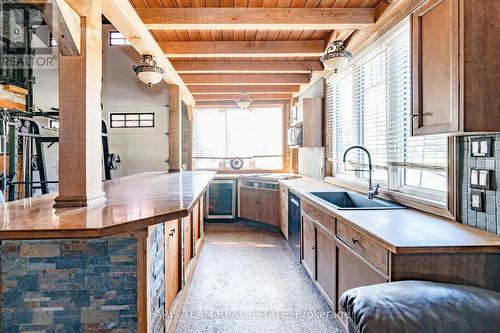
(232, 104)
(238, 66)
(261, 89)
(234, 18)
(243, 49)
(387, 16)
(233, 97)
(65, 25)
(244, 79)
(125, 19)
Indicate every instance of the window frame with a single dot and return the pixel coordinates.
(436, 202)
(125, 114)
(110, 38)
(285, 113)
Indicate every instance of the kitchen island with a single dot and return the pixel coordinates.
(119, 266)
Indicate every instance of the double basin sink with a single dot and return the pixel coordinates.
(353, 201)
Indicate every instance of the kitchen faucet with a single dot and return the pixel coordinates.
(372, 192)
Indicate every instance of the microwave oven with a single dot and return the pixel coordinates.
(295, 136)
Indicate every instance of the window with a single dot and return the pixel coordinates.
(253, 135)
(369, 104)
(116, 38)
(53, 42)
(132, 120)
(54, 124)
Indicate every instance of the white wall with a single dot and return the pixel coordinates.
(141, 149)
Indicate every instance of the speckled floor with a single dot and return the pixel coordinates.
(247, 280)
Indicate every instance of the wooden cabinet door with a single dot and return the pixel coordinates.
(249, 203)
(188, 239)
(308, 245)
(435, 59)
(353, 272)
(326, 264)
(173, 262)
(269, 211)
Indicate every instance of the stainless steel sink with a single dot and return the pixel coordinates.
(354, 201)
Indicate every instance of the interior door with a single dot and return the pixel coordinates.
(249, 203)
(270, 207)
(173, 261)
(309, 245)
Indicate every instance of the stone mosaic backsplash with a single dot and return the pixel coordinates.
(69, 286)
(488, 220)
(157, 279)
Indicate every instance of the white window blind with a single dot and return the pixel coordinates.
(369, 104)
(254, 135)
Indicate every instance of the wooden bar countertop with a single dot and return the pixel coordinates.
(402, 230)
(133, 202)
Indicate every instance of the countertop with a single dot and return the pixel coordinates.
(133, 202)
(261, 177)
(402, 230)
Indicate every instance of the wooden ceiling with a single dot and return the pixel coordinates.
(223, 47)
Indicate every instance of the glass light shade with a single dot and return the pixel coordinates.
(150, 78)
(243, 103)
(148, 72)
(334, 64)
(336, 56)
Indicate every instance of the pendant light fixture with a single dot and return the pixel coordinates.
(244, 102)
(336, 56)
(148, 71)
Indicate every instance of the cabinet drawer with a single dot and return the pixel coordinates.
(326, 220)
(372, 251)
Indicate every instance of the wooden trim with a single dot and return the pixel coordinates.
(252, 18)
(244, 79)
(243, 49)
(246, 66)
(142, 283)
(261, 89)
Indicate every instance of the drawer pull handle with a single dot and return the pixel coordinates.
(312, 247)
(172, 232)
(355, 241)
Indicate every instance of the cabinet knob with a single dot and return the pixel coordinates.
(172, 232)
(355, 241)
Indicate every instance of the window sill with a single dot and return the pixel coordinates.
(427, 206)
(229, 171)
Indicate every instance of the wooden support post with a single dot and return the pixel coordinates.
(80, 145)
(175, 128)
(189, 162)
